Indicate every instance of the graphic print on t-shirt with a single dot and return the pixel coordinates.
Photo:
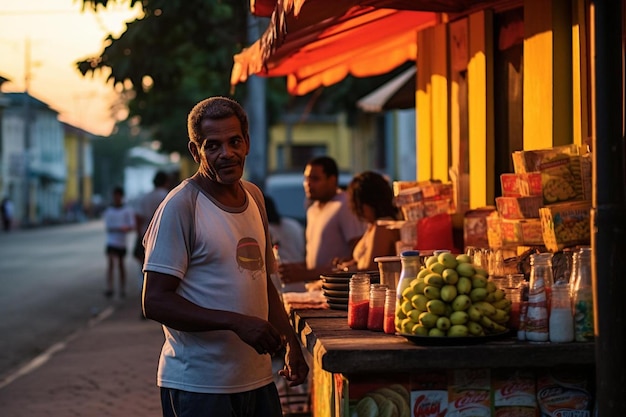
(249, 255)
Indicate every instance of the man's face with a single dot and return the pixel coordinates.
(317, 185)
(222, 154)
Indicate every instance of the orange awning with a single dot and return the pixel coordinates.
(319, 42)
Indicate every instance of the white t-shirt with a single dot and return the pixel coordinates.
(116, 218)
(289, 236)
(329, 231)
(218, 254)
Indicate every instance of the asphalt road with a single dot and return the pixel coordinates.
(52, 281)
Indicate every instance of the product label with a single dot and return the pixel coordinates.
(430, 403)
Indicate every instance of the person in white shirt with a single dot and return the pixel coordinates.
(119, 220)
(332, 229)
(207, 281)
(287, 239)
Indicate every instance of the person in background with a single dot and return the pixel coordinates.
(332, 229)
(286, 233)
(207, 281)
(119, 220)
(371, 199)
(146, 207)
(287, 236)
(7, 213)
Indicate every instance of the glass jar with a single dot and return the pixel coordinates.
(515, 297)
(358, 301)
(389, 325)
(582, 297)
(376, 313)
(561, 323)
(537, 329)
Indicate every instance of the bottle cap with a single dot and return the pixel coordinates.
(406, 253)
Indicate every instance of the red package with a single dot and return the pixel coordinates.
(435, 233)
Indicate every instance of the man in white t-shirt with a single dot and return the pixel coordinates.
(332, 229)
(207, 280)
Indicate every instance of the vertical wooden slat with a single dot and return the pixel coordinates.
(480, 109)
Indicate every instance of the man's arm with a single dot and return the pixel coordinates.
(161, 303)
(296, 369)
(298, 272)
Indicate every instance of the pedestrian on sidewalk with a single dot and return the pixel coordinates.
(119, 220)
(207, 280)
(7, 213)
(145, 209)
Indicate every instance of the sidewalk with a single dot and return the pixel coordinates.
(105, 369)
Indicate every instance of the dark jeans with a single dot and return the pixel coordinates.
(261, 402)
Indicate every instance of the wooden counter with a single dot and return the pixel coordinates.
(339, 349)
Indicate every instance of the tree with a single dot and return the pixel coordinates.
(178, 53)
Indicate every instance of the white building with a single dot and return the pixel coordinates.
(32, 155)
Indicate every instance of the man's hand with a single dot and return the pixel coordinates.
(260, 334)
(292, 272)
(295, 370)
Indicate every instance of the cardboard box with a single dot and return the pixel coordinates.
(534, 160)
(469, 393)
(429, 394)
(567, 224)
(494, 233)
(519, 207)
(475, 227)
(560, 169)
(521, 232)
(563, 392)
(521, 185)
(514, 393)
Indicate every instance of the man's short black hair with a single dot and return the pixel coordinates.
(328, 164)
(160, 179)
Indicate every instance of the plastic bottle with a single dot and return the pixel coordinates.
(582, 298)
(410, 260)
(358, 301)
(537, 326)
(561, 321)
(376, 313)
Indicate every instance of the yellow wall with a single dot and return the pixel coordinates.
(423, 103)
(555, 101)
(547, 73)
(335, 136)
(480, 109)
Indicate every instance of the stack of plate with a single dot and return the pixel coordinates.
(336, 287)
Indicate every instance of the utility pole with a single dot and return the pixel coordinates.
(28, 203)
(257, 117)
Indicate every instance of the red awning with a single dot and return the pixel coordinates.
(319, 42)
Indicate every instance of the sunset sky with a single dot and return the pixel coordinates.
(60, 34)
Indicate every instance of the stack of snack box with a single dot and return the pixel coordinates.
(545, 202)
(418, 200)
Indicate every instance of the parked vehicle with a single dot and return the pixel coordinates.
(287, 191)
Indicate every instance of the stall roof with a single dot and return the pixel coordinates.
(319, 42)
(398, 93)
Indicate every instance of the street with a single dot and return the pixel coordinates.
(52, 281)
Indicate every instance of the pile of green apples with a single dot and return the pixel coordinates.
(451, 297)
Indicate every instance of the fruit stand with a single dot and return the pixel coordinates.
(348, 362)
